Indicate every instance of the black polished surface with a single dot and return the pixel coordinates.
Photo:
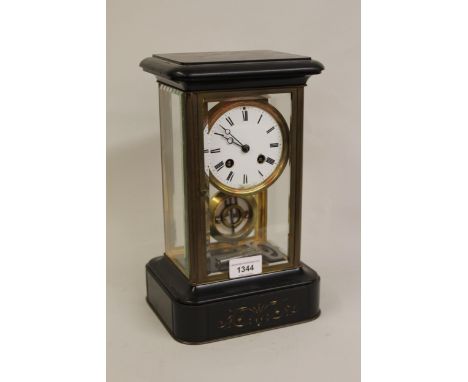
(202, 313)
(231, 70)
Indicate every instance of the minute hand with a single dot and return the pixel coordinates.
(227, 138)
(228, 132)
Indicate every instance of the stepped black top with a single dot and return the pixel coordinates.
(231, 70)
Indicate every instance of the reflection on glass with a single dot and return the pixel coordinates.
(248, 178)
(172, 158)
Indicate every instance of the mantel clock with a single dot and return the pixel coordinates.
(231, 149)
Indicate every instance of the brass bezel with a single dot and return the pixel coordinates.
(222, 108)
(246, 230)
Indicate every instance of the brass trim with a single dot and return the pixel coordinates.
(262, 216)
(232, 95)
(295, 193)
(224, 107)
(196, 186)
(223, 276)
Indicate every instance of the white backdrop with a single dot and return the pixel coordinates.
(328, 349)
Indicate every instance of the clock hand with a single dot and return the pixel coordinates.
(229, 139)
(238, 142)
(228, 133)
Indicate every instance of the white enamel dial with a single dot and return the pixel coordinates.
(245, 147)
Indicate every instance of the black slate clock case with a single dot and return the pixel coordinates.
(196, 311)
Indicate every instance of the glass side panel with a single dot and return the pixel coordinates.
(278, 193)
(247, 168)
(172, 158)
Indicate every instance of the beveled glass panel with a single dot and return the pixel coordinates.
(248, 177)
(173, 171)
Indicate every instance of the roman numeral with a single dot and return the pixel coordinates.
(230, 176)
(260, 172)
(219, 166)
(245, 178)
(270, 129)
(215, 151)
(271, 145)
(229, 120)
(261, 115)
(245, 115)
(269, 160)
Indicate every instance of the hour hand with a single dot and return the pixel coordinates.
(229, 134)
(229, 139)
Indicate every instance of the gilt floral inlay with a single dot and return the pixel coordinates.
(257, 315)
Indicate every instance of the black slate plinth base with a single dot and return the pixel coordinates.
(197, 314)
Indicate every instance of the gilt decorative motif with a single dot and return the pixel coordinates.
(257, 315)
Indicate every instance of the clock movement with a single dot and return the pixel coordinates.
(231, 128)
